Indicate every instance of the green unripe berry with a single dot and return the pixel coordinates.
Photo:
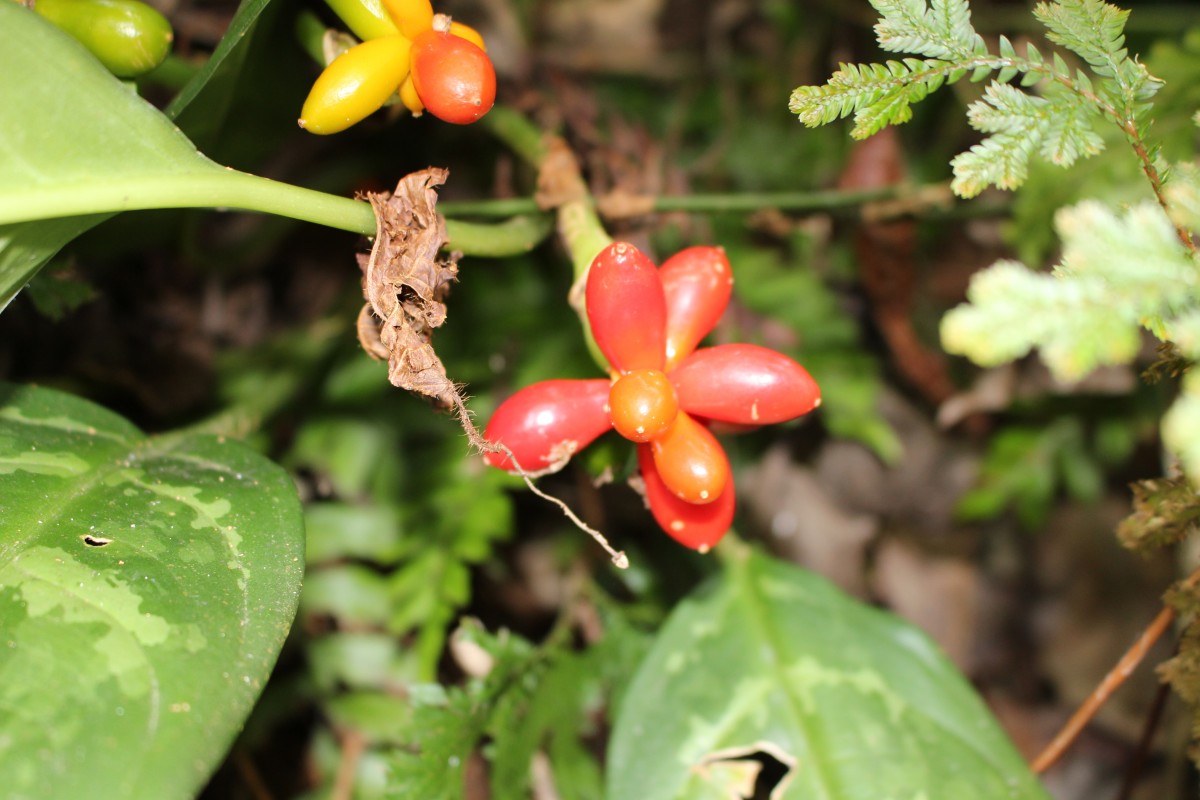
(128, 37)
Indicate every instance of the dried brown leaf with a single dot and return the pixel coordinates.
(405, 284)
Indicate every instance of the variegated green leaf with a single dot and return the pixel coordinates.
(146, 587)
(772, 659)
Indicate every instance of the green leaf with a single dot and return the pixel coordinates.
(26, 247)
(219, 71)
(76, 141)
(770, 658)
(877, 95)
(1118, 274)
(96, 131)
(940, 30)
(1092, 29)
(146, 587)
(1024, 468)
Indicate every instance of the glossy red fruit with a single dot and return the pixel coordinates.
(699, 527)
(690, 461)
(697, 282)
(626, 308)
(546, 423)
(453, 77)
(642, 404)
(744, 384)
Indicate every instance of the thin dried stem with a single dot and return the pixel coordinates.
(619, 559)
(353, 745)
(1111, 682)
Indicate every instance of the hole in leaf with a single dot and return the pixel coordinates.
(95, 541)
(761, 771)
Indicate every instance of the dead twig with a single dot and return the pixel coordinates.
(1109, 685)
(353, 745)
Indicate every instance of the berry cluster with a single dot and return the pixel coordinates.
(430, 62)
(663, 392)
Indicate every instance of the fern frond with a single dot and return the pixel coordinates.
(1058, 126)
(877, 95)
(1012, 310)
(1137, 254)
(1069, 133)
(1119, 273)
(1017, 122)
(1093, 29)
(940, 30)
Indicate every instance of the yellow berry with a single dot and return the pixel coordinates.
(467, 32)
(410, 98)
(356, 84)
(412, 17)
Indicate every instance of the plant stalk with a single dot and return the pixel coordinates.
(215, 188)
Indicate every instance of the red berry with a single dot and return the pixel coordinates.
(744, 384)
(690, 461)
(626, 308)
(697, 282)
(642, 404)
(546, 423)
(696, 526)
(453, 77)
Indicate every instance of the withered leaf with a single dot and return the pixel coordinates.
(405, 285)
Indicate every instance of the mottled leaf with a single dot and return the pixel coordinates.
(771, 659)
(146, 587)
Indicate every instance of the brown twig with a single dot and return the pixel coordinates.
(353, 745)
(1111, 682)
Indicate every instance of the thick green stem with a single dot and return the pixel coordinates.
(216, 188)
(510, 238)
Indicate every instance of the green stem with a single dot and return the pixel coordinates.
(218, 188)
(578, 223)
(713, 203)
(510, 238)
(517, 133)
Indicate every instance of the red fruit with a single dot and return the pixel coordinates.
(544, 424)
(690, 461)
(696, 526)
(642, 404)
(697, 282)
(626, 308)
(453, 77)
(744, 384)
